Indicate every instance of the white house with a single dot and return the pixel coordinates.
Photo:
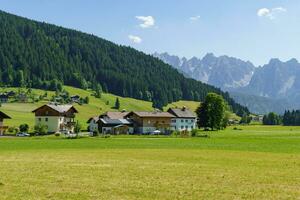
(108, 116)
(115, 126)
(93, 124)
(57, 118)
(185, 120)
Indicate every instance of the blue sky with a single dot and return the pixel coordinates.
(254, 30)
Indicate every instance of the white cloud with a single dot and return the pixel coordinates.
(135, 39)
(195, 18)
(270, 13)
(263, 12)
(147, 21)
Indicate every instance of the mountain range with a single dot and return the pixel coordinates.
(272, 87)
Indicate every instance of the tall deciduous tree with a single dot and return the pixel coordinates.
(211, 112)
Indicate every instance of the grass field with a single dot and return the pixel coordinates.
(258, 162)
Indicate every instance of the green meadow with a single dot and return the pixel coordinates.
(255, 162)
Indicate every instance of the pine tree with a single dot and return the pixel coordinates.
(117, 104)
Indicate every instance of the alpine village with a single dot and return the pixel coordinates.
(108, 100)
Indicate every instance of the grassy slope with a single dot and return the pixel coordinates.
(21, 112)
(258, 162)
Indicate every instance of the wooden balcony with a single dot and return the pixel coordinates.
(3, 128)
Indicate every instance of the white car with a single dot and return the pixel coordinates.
(22, 135)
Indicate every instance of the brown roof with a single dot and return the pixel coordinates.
(58, 108)
(4, 116)
(153, 114)
(115, 115)
(182, 112)
(93, 118)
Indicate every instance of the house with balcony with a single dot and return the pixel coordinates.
(151, 122)
(3, 128)
(184, 120)
(58, 118)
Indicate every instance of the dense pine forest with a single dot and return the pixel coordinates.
(42, 55)
(291, 118)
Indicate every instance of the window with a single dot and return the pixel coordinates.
(182, 127)
(47, 112)
(46, 119)
(186, 127)
(186, 120)
(192, 127)
(182, 120)
(40, 119)
(173, 120)
(192, 120)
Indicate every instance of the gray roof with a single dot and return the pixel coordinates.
(58, 108)
(182, 112)
(153, 114)
(96, 119)
(115, 121)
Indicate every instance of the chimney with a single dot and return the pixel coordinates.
(183, 108)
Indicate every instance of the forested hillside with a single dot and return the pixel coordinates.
(41, 55)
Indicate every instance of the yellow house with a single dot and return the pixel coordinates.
(57, 118)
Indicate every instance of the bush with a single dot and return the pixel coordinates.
(57, 134)
(105, 135)
(175, 133)
(41, 129)
(194, 133)
(96, 133)
(24, 128)
(184, 133)
(11, 129)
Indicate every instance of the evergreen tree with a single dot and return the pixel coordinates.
(271, 119)
(98, 91)
(117, 104)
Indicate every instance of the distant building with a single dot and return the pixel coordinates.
(4, 98)
(185, 120)
(75, 98)
(149, 122)
(115, 126)
(94, 121)
(93, 124)
(2, 127)
(56, 117)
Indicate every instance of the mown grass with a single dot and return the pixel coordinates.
(257, 162)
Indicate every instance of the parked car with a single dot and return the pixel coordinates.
(156, 132)
(21, 134)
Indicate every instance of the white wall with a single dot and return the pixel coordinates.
(181, 124)
(93, 126)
